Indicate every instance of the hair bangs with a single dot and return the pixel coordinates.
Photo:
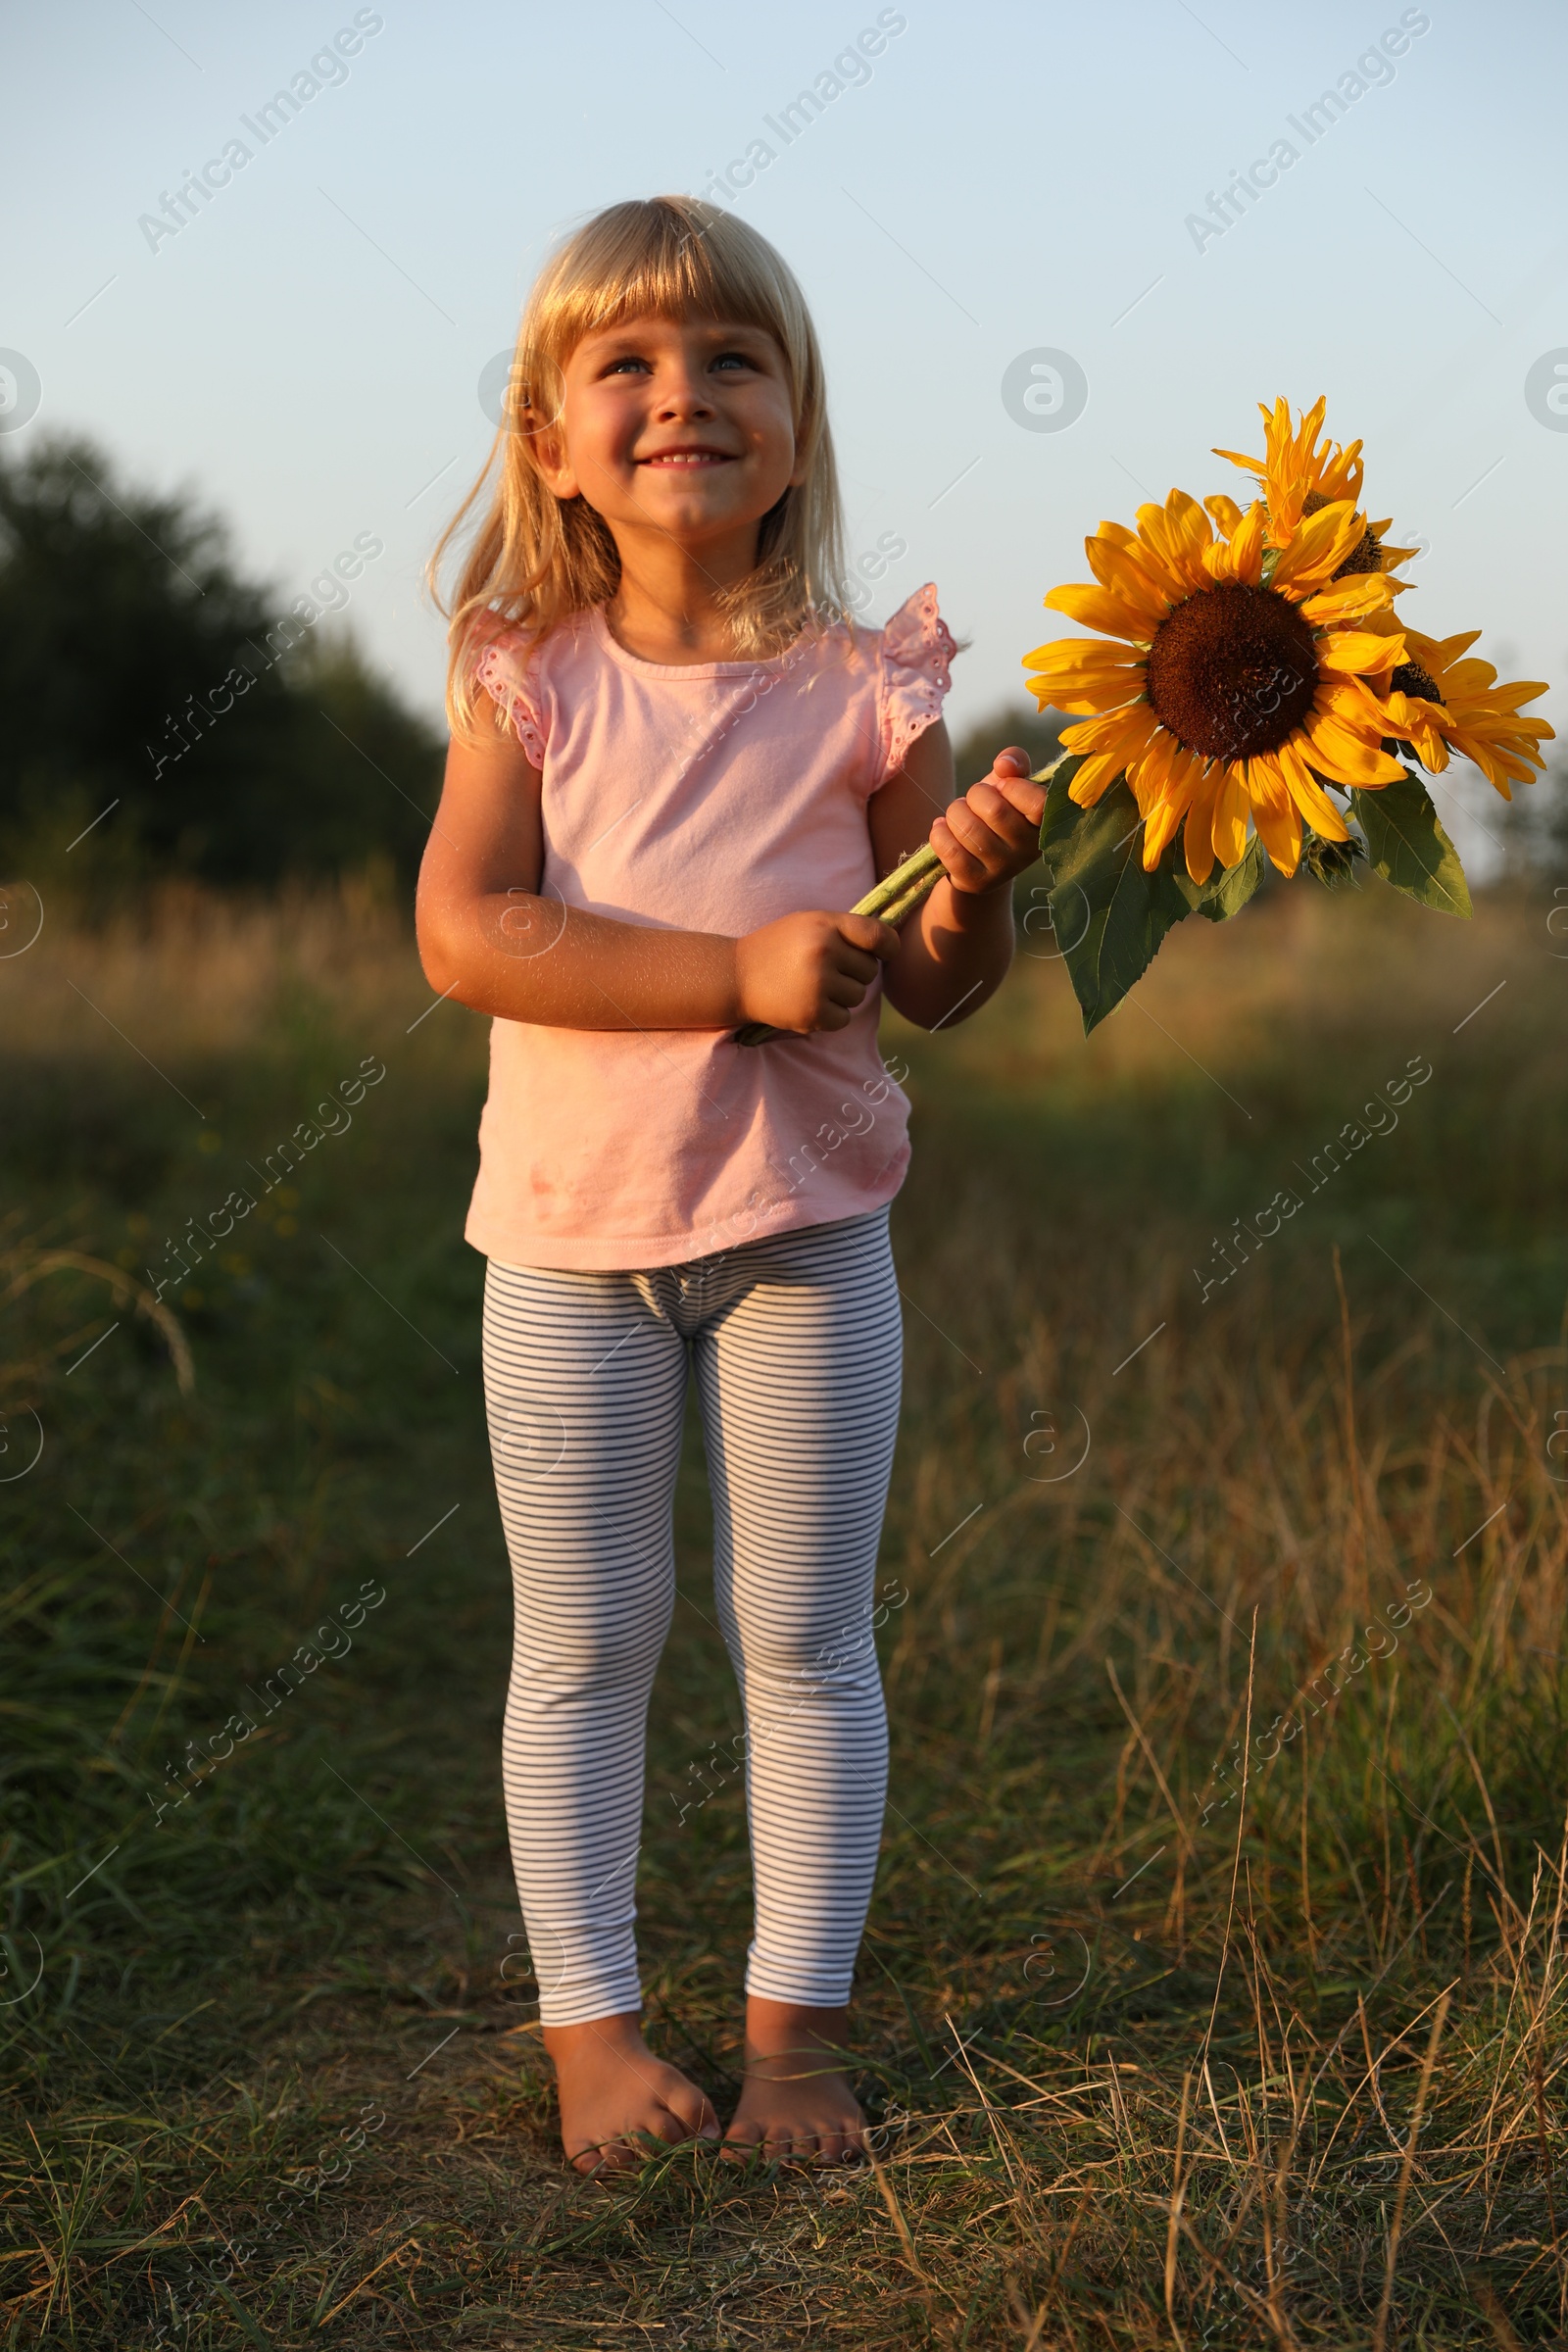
(669, 258)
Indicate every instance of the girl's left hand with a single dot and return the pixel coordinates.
(992, 833)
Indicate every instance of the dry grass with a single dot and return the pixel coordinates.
(1180, 2031)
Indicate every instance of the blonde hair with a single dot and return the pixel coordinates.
(535, 558)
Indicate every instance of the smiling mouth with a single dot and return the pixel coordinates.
(688, 458)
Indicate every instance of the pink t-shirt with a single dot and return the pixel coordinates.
(714, 798)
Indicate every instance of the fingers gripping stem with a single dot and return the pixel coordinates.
(893, 901)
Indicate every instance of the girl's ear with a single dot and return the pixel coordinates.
(542, 421)
(548, 450)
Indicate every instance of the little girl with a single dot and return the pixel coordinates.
(675, 763)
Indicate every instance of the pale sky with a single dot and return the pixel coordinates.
(1002, 180)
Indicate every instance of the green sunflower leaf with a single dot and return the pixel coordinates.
(1061, 814)
(1231, 888)
(1108, 913)
(1407, 845)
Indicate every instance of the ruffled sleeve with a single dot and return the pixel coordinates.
(917, 650)
(504, 670)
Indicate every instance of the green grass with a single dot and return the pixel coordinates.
(1166, 2047)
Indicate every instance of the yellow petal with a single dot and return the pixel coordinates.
(1436, 653)
(1518, 690)
(1275, 813)
(1246, 545)
(1158, 831)
(1181, 780)
(1115, 568)
(1193, 526)
(1318, 547)
(1354, 651)
(1464, 679)
(1306, 792)
(1091, 678)
(1121, 732)
(1083, 655)
(1150, 773)
(1176, 534)
(1345, 755)
(1170, 581)
(1092, 778)
(1230, 808)
(1352, 701)
(1086, 701)
(1198, 842)
(1098, 608)
(1350, 599)
(1417, 722)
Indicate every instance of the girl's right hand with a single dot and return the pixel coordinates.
(810, 972)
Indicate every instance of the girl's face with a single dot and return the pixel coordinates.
(682, 427)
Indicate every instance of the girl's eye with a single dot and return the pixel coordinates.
(627, 363)
(732, 359)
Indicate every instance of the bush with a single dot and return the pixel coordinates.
(141, 672)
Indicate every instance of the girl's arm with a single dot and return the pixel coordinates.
(487, 938)
(955, 952)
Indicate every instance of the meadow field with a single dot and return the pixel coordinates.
(1212, 1994)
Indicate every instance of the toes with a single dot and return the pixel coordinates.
(740, 2143)
(835, 2143)
(700, 2124)
(693, 2114)
(753, 2142)
(633, 2148)
(777, 2141)
(667, 2126)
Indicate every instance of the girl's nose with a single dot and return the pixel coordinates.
(686, 396)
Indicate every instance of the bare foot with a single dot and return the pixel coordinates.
(615, 2095)
(796, 2100)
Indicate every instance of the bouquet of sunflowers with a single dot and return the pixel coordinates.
(1251, 693)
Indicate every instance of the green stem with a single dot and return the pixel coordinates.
(893, 901)
(901, 909)
(896, 885)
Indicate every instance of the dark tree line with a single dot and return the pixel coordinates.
(242, 741)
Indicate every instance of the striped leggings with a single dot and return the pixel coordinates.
(795, 1344)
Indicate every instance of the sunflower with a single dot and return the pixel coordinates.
(1299, 478)
(1229, 681)
(1437, 701)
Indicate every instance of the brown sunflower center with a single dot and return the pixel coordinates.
(1410, 679)
(1231, 671)
(1367, 553)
